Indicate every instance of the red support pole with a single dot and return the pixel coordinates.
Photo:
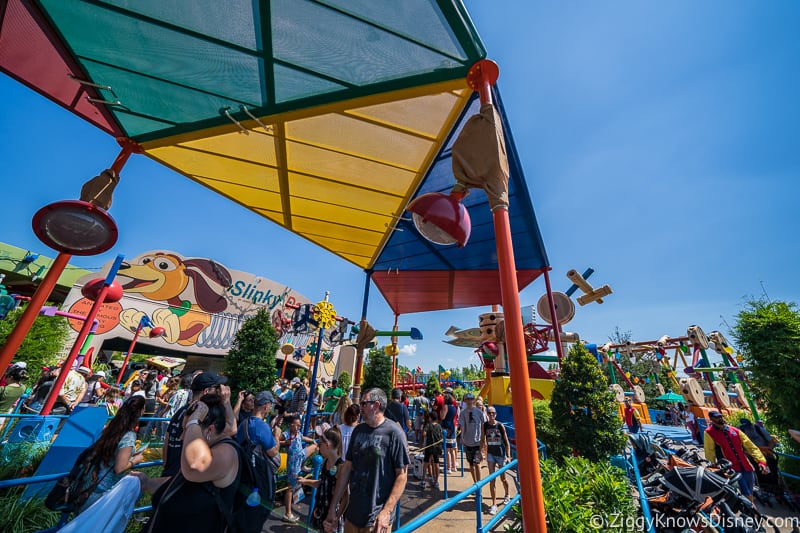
(556, 325)
(480, 78)
(533, 515)
(88, 324)
(14, 341)
(73, 353)
(130, 351)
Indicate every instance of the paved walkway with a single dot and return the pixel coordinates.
(415, 501)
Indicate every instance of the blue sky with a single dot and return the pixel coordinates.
(661, 143)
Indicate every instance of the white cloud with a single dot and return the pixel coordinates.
(408, 349)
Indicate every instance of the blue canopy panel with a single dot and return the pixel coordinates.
(415, 275)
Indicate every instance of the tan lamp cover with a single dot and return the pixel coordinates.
(479, 157)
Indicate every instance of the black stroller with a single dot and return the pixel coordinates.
(681, 496)
(647, 453)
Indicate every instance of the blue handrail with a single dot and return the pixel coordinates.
(452, 502)
(648, 518)
(51, 477)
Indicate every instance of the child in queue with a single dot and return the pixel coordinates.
(330, 447)
(296, 455)
(432, 439)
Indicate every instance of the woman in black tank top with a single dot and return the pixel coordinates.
(185, 502)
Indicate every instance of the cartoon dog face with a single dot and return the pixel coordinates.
(164, 277)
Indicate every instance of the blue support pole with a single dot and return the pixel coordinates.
(313, 383)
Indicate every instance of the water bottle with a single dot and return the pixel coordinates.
(254, 499)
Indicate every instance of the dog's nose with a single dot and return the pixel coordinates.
(124, 265)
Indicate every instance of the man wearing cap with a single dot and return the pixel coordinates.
(397, 411)
(470, 423)
(204, 383)
(94, 388)
(297, 405)
(256, 429)
(498, 453)
(734, 446)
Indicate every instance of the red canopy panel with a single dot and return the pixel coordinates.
(414, 291)
(34, 56)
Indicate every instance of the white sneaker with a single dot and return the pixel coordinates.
(493, 510)
(506, 500)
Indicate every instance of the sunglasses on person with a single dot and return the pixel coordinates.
(367, 402)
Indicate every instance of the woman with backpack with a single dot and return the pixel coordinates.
(194, 498)
(115, 450)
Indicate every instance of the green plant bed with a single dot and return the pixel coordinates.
(582, 497)
(23, 516)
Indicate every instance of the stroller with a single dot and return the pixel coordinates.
(681, 496)
(648, 454)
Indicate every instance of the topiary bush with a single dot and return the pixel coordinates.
(584, 410)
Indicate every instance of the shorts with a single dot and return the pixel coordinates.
(747, 482)
(433, 455)
(450, 443)
(473, 454)
(497, 460)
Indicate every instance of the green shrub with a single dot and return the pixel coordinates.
(18, 516)
(579, 491)
(584, 410)
(345, 381)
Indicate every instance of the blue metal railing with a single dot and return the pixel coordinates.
(7, 483)
(452, 502)
(630, 459)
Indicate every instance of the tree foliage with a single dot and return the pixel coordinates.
(432, 385)
(250, 364)
(345, 381)
(584, 410)
(378, 371)
(768, 336)
(43, 343)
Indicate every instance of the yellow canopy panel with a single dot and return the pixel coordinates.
(338, 175)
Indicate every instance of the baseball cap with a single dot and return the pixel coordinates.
(295, 380)
(100, 373)
(714, 414)
(21, 364)
(84, 370)
(264, 397)
(469, 396)
(448, 389)
(206, 380)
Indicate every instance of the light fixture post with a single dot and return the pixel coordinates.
(17, 336)
(480, 78)
(99, 300)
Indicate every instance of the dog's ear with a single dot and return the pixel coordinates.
(207, 298)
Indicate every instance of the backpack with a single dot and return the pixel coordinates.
(256, 470)
(72, 490)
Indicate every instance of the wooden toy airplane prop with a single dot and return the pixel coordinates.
(590, 293)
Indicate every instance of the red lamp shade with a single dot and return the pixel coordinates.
(441, 218)
(75, 227)
(92, 290)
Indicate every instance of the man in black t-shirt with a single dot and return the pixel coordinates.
(375, 468)
(498, 452)
(205, 383)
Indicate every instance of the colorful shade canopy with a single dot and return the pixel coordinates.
(325, 117)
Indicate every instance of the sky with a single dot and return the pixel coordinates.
(660, 142)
